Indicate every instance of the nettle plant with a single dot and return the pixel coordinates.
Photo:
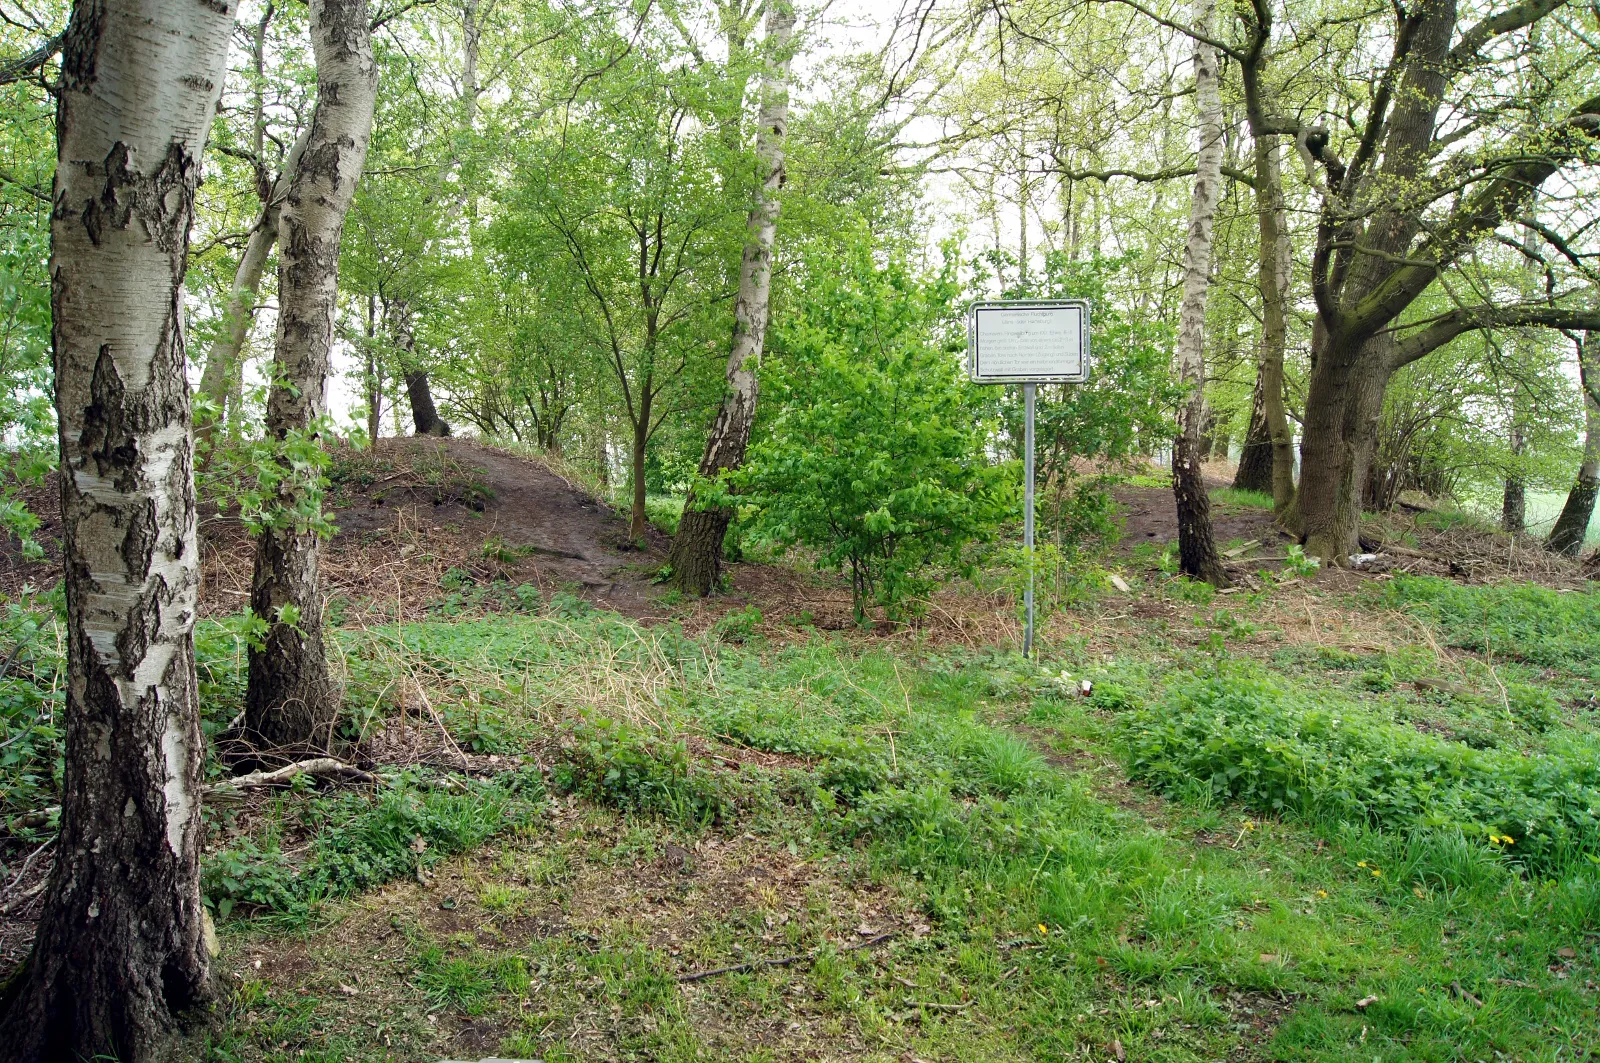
(874, 453)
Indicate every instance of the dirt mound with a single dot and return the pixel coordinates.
(417, 519)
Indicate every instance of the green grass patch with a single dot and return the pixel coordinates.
(1237, 496)
(1249, 738)
(1516, 621)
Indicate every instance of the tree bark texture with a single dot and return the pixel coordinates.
(290, 697)
(1572, 526)
(425, 417)
(1514, 499)
(119, 957)
(638, 521)
(1197, 551)
(1273, 274)
(1255, 457)
(222, 360)
(696, 557)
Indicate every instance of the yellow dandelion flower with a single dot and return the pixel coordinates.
(1043, 929)
(1322, 893)
(1376, 873)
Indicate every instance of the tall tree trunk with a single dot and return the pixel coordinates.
(1255, 458)
(1514, 499)
(222, 360)
(696, 557)
(641, 439)
(373, 374)
(1273, 274)
(290, 697)
(425, 417)
(1572, 527)
(1197, 551)
(119, 957)
(1344, 404)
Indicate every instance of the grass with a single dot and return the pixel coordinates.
(1044, 906)
(1245, 499)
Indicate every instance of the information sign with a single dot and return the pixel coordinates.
(1029, 341)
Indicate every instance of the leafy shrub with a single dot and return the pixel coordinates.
(737, 626)
(1248, 739)
(30, 702)
(875, 454)
(611, 762)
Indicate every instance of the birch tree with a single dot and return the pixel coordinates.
(696, 556)
(1197, 552)
(290, 696)
(120, 952)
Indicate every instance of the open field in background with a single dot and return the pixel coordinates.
(1322, 817)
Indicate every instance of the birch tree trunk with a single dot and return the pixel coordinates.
(222, 360)
(696, 557)
(1197, 552)
(120, 954)
(1572, 525)
(290, 697)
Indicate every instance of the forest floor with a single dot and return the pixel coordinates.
(1263, 824)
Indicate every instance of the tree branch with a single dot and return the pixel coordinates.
(24, 66)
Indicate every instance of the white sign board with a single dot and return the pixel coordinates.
(1029, 341)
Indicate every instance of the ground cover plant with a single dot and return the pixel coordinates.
(778, 804)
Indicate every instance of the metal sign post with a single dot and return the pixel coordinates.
(1028, 342)
(1028, 393)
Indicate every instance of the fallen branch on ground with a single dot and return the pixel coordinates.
(326, 766)
(782, 961)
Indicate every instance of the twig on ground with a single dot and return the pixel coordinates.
(27, 864)
(314, 766)
(782, 961)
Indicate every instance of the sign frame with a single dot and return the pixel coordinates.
(974, 353)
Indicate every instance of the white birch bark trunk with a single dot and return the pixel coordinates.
(222, 360)
(1197, 552)
(290, 700)
(120, 954)
(696, 555)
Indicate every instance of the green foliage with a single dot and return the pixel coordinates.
(1516, 621)
(276, 483)
(874, 447)
(359, 841)
(737, 625)
(613, 763)
(32, 672)
(1248, 738)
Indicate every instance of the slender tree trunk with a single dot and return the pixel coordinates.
(119, 957)
(1197, 552)
(696, 557)
(1514, 499)
(641, 439)
(373, 374)
(1572, 527)
(425, 417)
(1273, 272)
(222, 360)
(290, 697)
(1255, 458)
